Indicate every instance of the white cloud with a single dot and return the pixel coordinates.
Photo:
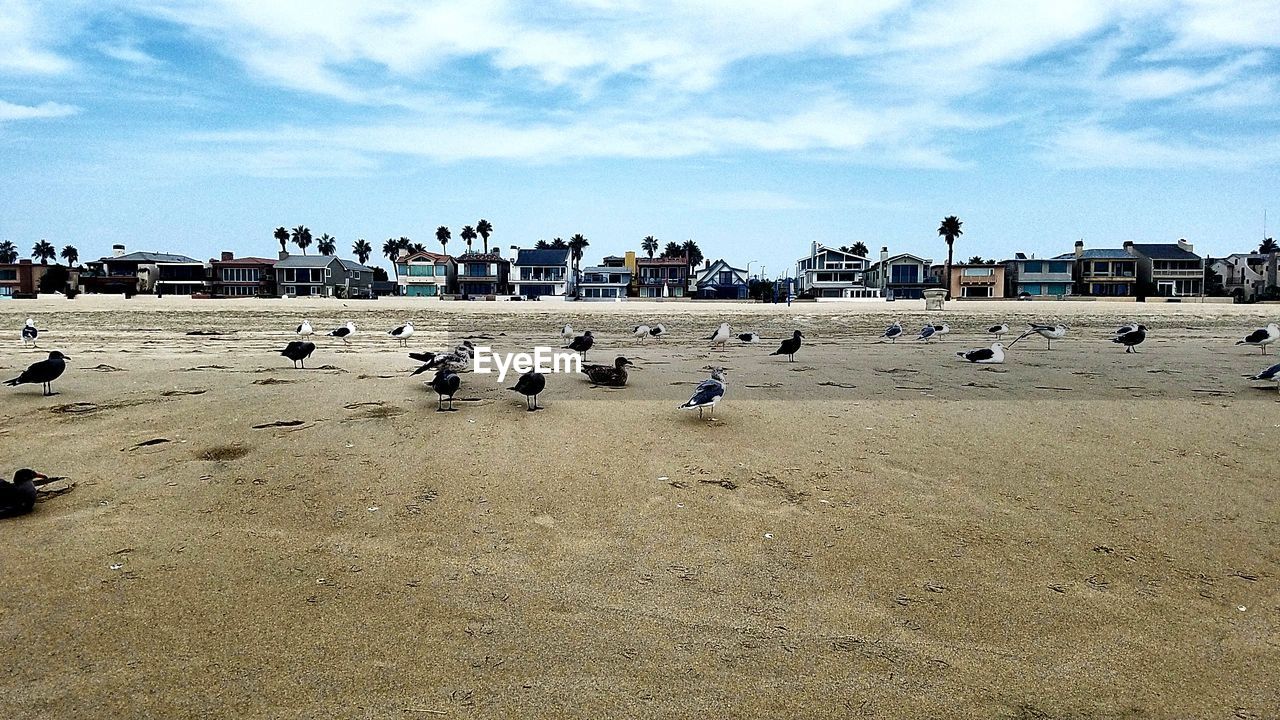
(1095, 146)
(11, 111)
(23, 35)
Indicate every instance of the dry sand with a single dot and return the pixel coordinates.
(875, 530)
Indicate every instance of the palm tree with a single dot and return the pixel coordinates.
(414, 247)
(692, 254)
(327, 244)
(468, 235)
(485, 228)
(45, 251)
(362, 250)
(860, 249)
(950, 230)
(71, 255)
(391, 248)
(301, 237)
(672, 250)
(542, 245)
(577, 244)
(282, 235)
(650, 245)
(559, 244)
(1268, 246)
(442, 236)
(8, 252)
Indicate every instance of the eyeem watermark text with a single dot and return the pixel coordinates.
(542, 359)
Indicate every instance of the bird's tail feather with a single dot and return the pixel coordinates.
(13, 382)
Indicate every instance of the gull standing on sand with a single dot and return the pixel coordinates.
(344, 332)
(402, 333)
(530, 384)
(446, 384)
(1131, 339)
(708, 394)
(1048, 332)
(721, 336)
(582, 343)
(1262, 337)
(940, 330)
(892, 332)
(298, 351)
(614, 375)
(566, 332)
(641, 332)
(998, 330)
(657, 331)
(1271, 374)
(30, 333)
(304, 330)
(43, 372)
(993, 355)
(789, 346)
(926, 332)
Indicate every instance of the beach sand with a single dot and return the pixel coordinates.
(874, 530)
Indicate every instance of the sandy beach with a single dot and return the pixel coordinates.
(874, 530)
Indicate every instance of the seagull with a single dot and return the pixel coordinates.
(614, 375)
(789, 346)
(658, 331)
(30, 333)
(1262, 337)
(1048, 332)
(566, 332)
(993, 355)
(344, 332)
(1271, 373)
(1125, 329)
(455, 360)
(530, 384)
(749, 338)
(583, 343)
(446, 384)
(720, 336)
(998, 330)
(893, 331)
(304, 329)
(43, 372)
(708, 393)
(926, 332)
(641, 331)
(940, 330)
(19, 497)
(1132, 339)
(298, 351)
(402, 333)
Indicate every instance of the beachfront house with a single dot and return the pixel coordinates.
(146, 272)
(1168, 269)
(973, 281)
(1033, 277)
(831, 273)
(425, 274)
(628, 261)
(1248, 276)
(482, 274)
(901, 277)
(535, 273)
(22, 279)
(322, 276)
(721, 281)
(663, 277)
(1104, 272)
(242, 277)
(604, 283)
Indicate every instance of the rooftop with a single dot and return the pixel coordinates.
(1099, 254)
(1164, 251)
(151, 257)
(552, 256)
(424, 256)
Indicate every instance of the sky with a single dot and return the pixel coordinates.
(752, 127)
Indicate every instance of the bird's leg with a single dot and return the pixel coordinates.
(699, 413)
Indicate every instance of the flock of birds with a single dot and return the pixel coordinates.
(447, 365)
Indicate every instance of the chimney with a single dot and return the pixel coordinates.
(1128, 247)
(284, 254)
(402, 253)
(1184, 245)
(708, 264)
(117, 250)
(228, 256)
(1079, 248)
(813, 248)
(884, 253)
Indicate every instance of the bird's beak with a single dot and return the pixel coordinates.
(41, 476)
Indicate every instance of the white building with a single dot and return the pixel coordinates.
(535, 273)
(832, 273)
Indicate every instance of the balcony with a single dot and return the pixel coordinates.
(1177, 274)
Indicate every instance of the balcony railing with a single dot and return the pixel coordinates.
(1192, 274)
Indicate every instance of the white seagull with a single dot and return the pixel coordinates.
(1262, 337)
(304, 329)
(658, 331)
(344, 332)
(1048, 332)
(926, 332)
(749, 338)
(721, 335)
(30, 333)
(1272, 374)
(708, 393)
(940, 330)
(566, 332)
(893, 331)
(998, 330)
(641, 331)
(993, 355)
(402, 333)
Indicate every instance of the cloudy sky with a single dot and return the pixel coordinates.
(752, 127)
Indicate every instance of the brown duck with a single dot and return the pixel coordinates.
(614, 375)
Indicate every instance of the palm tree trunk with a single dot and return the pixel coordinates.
(950, 248)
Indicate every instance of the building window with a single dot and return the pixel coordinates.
(1033, 266)
(1057, 267)
(978, 272)
(904, 273)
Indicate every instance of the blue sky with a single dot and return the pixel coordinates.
(754, 128)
